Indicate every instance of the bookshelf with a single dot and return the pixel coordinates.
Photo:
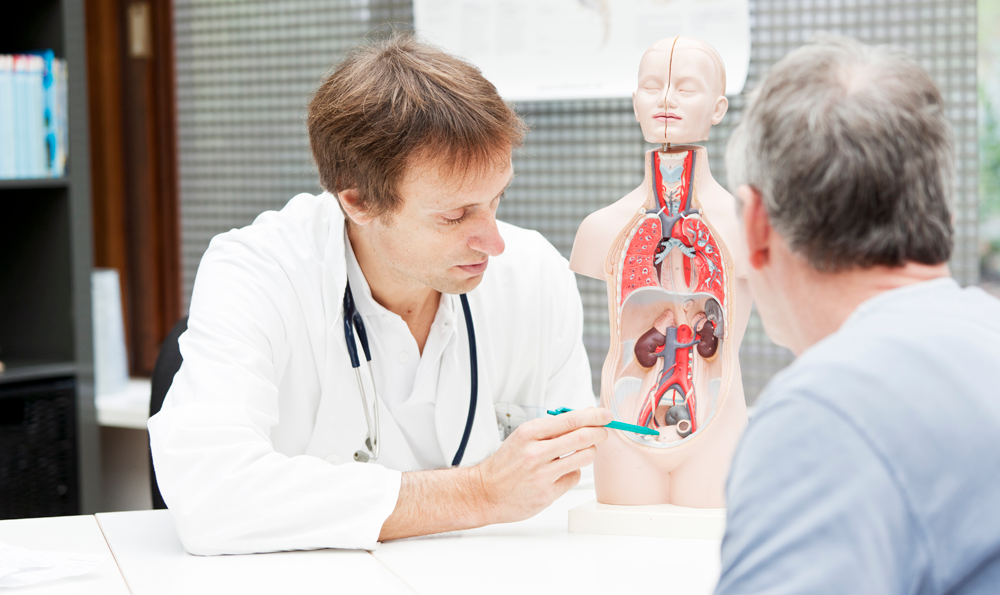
(34, 183)
(49, 444)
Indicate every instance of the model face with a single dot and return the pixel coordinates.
(445, 232)
(677, 101)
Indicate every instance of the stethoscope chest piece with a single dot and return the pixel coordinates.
(362, 456)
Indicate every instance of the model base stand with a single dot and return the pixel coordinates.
(655, 520)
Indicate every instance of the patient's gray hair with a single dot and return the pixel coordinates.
(851, 153)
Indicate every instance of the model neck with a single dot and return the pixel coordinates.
(702, 173)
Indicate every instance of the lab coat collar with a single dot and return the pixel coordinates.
(335, 280)
(362, 292)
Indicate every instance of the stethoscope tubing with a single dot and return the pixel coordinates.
(474, 370)
(354, 322)
(353, 317)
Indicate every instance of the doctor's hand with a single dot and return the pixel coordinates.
(535, 465)
(540, 461)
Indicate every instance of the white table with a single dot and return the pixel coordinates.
(79, 534)
(540, 556)
(533, 556)
(153, 561)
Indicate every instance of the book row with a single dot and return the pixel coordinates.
(33, 127)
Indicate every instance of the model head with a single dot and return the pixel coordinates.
(847, 151)
(681, 92)
(416, 145)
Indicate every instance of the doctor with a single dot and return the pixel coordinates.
(261, 440)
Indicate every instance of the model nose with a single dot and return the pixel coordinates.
(661, 99)
(670, 98)
(487, 239)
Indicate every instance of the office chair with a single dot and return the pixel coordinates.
(167, 363)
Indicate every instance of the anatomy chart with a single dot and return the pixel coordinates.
(571, 49)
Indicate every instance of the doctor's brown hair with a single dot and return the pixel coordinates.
(393, 102)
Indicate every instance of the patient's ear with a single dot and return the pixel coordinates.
(351, 201)
(756, 226)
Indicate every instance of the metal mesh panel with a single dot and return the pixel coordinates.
(246, 69)
(577, 159)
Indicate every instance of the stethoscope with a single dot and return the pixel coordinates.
(351, 315)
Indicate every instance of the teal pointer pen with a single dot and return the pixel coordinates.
(615, 425)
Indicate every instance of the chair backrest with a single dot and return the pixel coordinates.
(167, 363)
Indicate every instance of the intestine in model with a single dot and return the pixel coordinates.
(671, 301)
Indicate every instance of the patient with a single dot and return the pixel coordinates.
(871, 463)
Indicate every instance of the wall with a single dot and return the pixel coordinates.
(245, 71)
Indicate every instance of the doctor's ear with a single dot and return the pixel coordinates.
(721, 107)
(350, 200)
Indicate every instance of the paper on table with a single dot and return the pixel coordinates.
(20, 566)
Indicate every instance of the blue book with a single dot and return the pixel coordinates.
(38, 157)
(49, 101)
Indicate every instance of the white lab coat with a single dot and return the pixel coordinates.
(254, 445)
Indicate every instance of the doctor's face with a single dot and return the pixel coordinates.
(446, 230)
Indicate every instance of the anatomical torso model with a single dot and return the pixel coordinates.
(671, 255)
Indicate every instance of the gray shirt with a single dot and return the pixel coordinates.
(872, 464)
